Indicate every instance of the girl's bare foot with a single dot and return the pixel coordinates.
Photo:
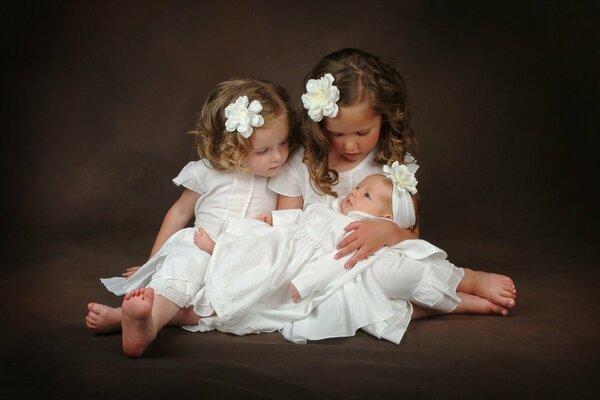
(136, 320)
(294, 294)
(203, 241)
(103, 319)
(498, 289)
(472, 304)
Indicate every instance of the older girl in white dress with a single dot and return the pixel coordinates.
(356, 121)
(242, 141)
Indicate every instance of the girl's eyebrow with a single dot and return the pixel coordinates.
(363, 130)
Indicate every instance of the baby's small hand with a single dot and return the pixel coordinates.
(266, 218)
(130, 271)
(197, 238)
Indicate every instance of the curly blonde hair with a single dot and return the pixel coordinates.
(227, 150)
(359, 76)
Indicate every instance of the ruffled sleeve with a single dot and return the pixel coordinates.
(287, 181)
(193, 177)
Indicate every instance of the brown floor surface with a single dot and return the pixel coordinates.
(547, 348)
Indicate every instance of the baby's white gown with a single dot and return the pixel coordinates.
(177, 270)
(253, 264)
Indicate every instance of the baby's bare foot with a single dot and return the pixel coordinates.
(472, 304)
(138, 328)
(294, 294)
(203, 241)
(103, 319)
(498, 289)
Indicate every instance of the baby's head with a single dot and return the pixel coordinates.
(246, 125)
(386, 195)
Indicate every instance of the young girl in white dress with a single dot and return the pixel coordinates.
(243, 140)
(356, 121)
(252, 267)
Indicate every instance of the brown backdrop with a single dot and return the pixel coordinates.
(100, 95)
(504, 100)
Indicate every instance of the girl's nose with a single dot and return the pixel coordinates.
(350, 145)
(276, 155)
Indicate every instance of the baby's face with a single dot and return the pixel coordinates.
(372, 195)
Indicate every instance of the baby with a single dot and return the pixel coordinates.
(386, 196)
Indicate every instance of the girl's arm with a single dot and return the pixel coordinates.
(286, 202)
(178, 217)
(369, 236)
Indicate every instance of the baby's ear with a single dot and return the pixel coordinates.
(388, 216)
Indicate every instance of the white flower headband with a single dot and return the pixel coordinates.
(242, 117)
(404, 183)
(321, 97)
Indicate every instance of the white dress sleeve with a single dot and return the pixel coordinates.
(287, 182)
(286, 217)
(316, 275)
(193, 176)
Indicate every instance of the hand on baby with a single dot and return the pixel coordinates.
(365, 238)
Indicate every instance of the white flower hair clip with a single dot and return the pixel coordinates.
(401, 177)
(242, 117)
(321, 97)
(404, 184)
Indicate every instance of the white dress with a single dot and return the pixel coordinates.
(177, 270)
(253, 264)
(293, 180)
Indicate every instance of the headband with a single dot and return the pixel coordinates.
(404, 184)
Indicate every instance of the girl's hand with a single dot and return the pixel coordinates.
(130, 271)
(369, 236)
(265, 217)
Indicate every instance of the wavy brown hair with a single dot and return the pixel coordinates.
(227, 150)
(359, 76)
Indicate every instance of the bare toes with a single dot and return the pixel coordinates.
(507, 294)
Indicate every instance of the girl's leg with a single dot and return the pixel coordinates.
(102, 318)
(469, 304)
(479, 292)
(472, 304)
(498, 289)
(105, 319)
(142, 316)
(422, 312)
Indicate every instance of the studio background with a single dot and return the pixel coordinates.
(503, 98)
(100, 97)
